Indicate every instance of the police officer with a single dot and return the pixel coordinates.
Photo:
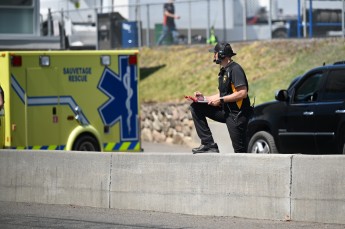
(231, 105)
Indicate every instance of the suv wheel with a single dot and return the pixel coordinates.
(262, 142)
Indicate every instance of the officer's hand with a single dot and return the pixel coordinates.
(214, 102)
(197, 94)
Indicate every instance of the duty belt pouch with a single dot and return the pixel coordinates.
(233, 114)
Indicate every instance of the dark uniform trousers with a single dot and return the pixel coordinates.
(235, 122)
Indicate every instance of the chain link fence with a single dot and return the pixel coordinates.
(140, 24)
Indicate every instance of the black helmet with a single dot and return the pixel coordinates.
(224, 49)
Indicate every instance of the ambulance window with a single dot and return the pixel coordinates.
(16, 3)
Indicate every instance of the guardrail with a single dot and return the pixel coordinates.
(276, 187)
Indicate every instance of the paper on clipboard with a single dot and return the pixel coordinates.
(200, 99)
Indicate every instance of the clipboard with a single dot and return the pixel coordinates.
(194, 99)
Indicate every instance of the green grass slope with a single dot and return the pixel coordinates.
(167, 73)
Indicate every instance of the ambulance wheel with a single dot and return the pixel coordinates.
(86, 143)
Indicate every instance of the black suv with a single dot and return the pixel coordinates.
(308, 117)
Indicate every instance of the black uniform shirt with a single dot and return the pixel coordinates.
(229, 78)
(169, 21)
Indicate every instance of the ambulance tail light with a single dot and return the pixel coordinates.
(133, 60)
(16, 61)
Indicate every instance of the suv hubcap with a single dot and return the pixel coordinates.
(260, 146)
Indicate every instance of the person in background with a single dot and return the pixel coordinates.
(169, 26)
(231, 105)
(213, 38)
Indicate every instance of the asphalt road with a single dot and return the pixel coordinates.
(25, 216)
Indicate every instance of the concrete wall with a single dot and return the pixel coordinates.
(318, 188)
(228, 185)
(54, 177)
(277, 187)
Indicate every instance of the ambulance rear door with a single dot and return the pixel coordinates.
(43, 109)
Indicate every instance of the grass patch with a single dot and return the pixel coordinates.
(170, 72)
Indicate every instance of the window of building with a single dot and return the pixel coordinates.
(18, 17)
(16, 2)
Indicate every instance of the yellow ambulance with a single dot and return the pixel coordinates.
(70, 100)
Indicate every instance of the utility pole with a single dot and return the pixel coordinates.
(224, 22)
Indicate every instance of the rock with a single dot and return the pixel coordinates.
(178, 139)
(146, 135)
(156, 125)
(166, 122)
(158, 136)
(169, 140)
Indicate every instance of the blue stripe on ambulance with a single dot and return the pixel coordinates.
(17, 88)
(45, 147)
(48, 147)
(132, 145)
(45, 100)
(126, 146)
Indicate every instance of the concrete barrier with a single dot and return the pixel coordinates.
(277, 187)
(55, 177)
(318, 188)
(229, 185)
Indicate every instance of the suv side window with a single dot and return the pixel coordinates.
(335, 86)
(307, 91)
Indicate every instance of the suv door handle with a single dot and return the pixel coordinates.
(308, 113)
(340, 111)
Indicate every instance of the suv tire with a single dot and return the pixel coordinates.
(262, 142)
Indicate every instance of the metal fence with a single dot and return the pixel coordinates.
(230, 20)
